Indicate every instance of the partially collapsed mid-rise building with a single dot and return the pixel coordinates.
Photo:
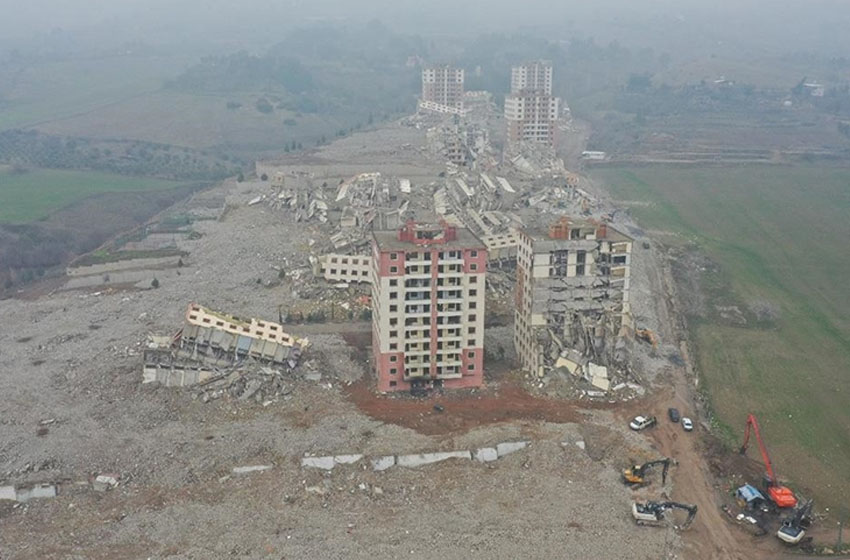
(534, 76)
(428, 307)
(442, 89)
(531, 111)
(572, 291)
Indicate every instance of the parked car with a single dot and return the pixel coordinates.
(673, 413)
(642, 422)
(687, 424)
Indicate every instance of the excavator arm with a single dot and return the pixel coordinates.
(781, 495)
(636, 474)
(691, 509)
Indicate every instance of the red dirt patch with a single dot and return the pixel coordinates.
(462, 410)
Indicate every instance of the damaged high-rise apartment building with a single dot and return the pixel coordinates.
(531, 111)
(572, 291)
(428, 307)
(442, 89)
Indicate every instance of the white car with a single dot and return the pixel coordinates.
(641, 422)
(687, 424)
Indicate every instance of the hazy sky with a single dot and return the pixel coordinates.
(792, 25)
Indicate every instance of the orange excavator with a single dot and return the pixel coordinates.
(782, 496)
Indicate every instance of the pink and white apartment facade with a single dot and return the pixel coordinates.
(428, 307)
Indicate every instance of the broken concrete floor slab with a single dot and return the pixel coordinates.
(24, 494)
(329, 462)
(510, 447)
(418, 460)
(383, 463)
(251, 468)
(486, 454)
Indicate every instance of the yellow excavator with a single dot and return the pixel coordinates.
(647, 336)
(636, 475)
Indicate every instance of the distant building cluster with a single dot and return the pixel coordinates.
(531, 111)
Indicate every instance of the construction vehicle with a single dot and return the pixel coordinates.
(636, 475)
(794, 527)
(647, 336)
(652, 513)
(780, 495)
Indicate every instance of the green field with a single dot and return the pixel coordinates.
(780, 235)
(29, 196)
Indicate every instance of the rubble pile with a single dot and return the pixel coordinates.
(223, 354)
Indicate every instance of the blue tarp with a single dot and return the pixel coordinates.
(748, 493)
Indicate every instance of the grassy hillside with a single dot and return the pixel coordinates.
(35, 91)
(779, 235)
(26, 197)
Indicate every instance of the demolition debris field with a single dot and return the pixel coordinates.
(75, 408)
(771, 327)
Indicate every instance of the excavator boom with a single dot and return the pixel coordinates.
(782, 496)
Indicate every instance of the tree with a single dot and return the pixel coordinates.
(264, 177)
(264, 106)
(240, 177)
(154, 283)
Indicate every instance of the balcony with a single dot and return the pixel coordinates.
(418, 282)
(412, 309)
(449, 313)
(416, 334)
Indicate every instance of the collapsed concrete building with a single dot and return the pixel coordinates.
(459, 142)
(572, 292)
(335, 267)
(211, 342)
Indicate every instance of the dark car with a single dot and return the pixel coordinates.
(673, 413)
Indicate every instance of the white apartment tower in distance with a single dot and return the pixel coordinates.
(442, 89)
(536, 76)
(531, 112)
(428, 307)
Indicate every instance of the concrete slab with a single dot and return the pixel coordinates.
(383, 463)
(347, 459)
(510, 447)
(251, 468)
(486, 454)
(422, 459)
(37, 491)
(326, 463)
(8, 493)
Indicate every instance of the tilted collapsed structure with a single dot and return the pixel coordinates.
(212, 341)
(572, 292)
